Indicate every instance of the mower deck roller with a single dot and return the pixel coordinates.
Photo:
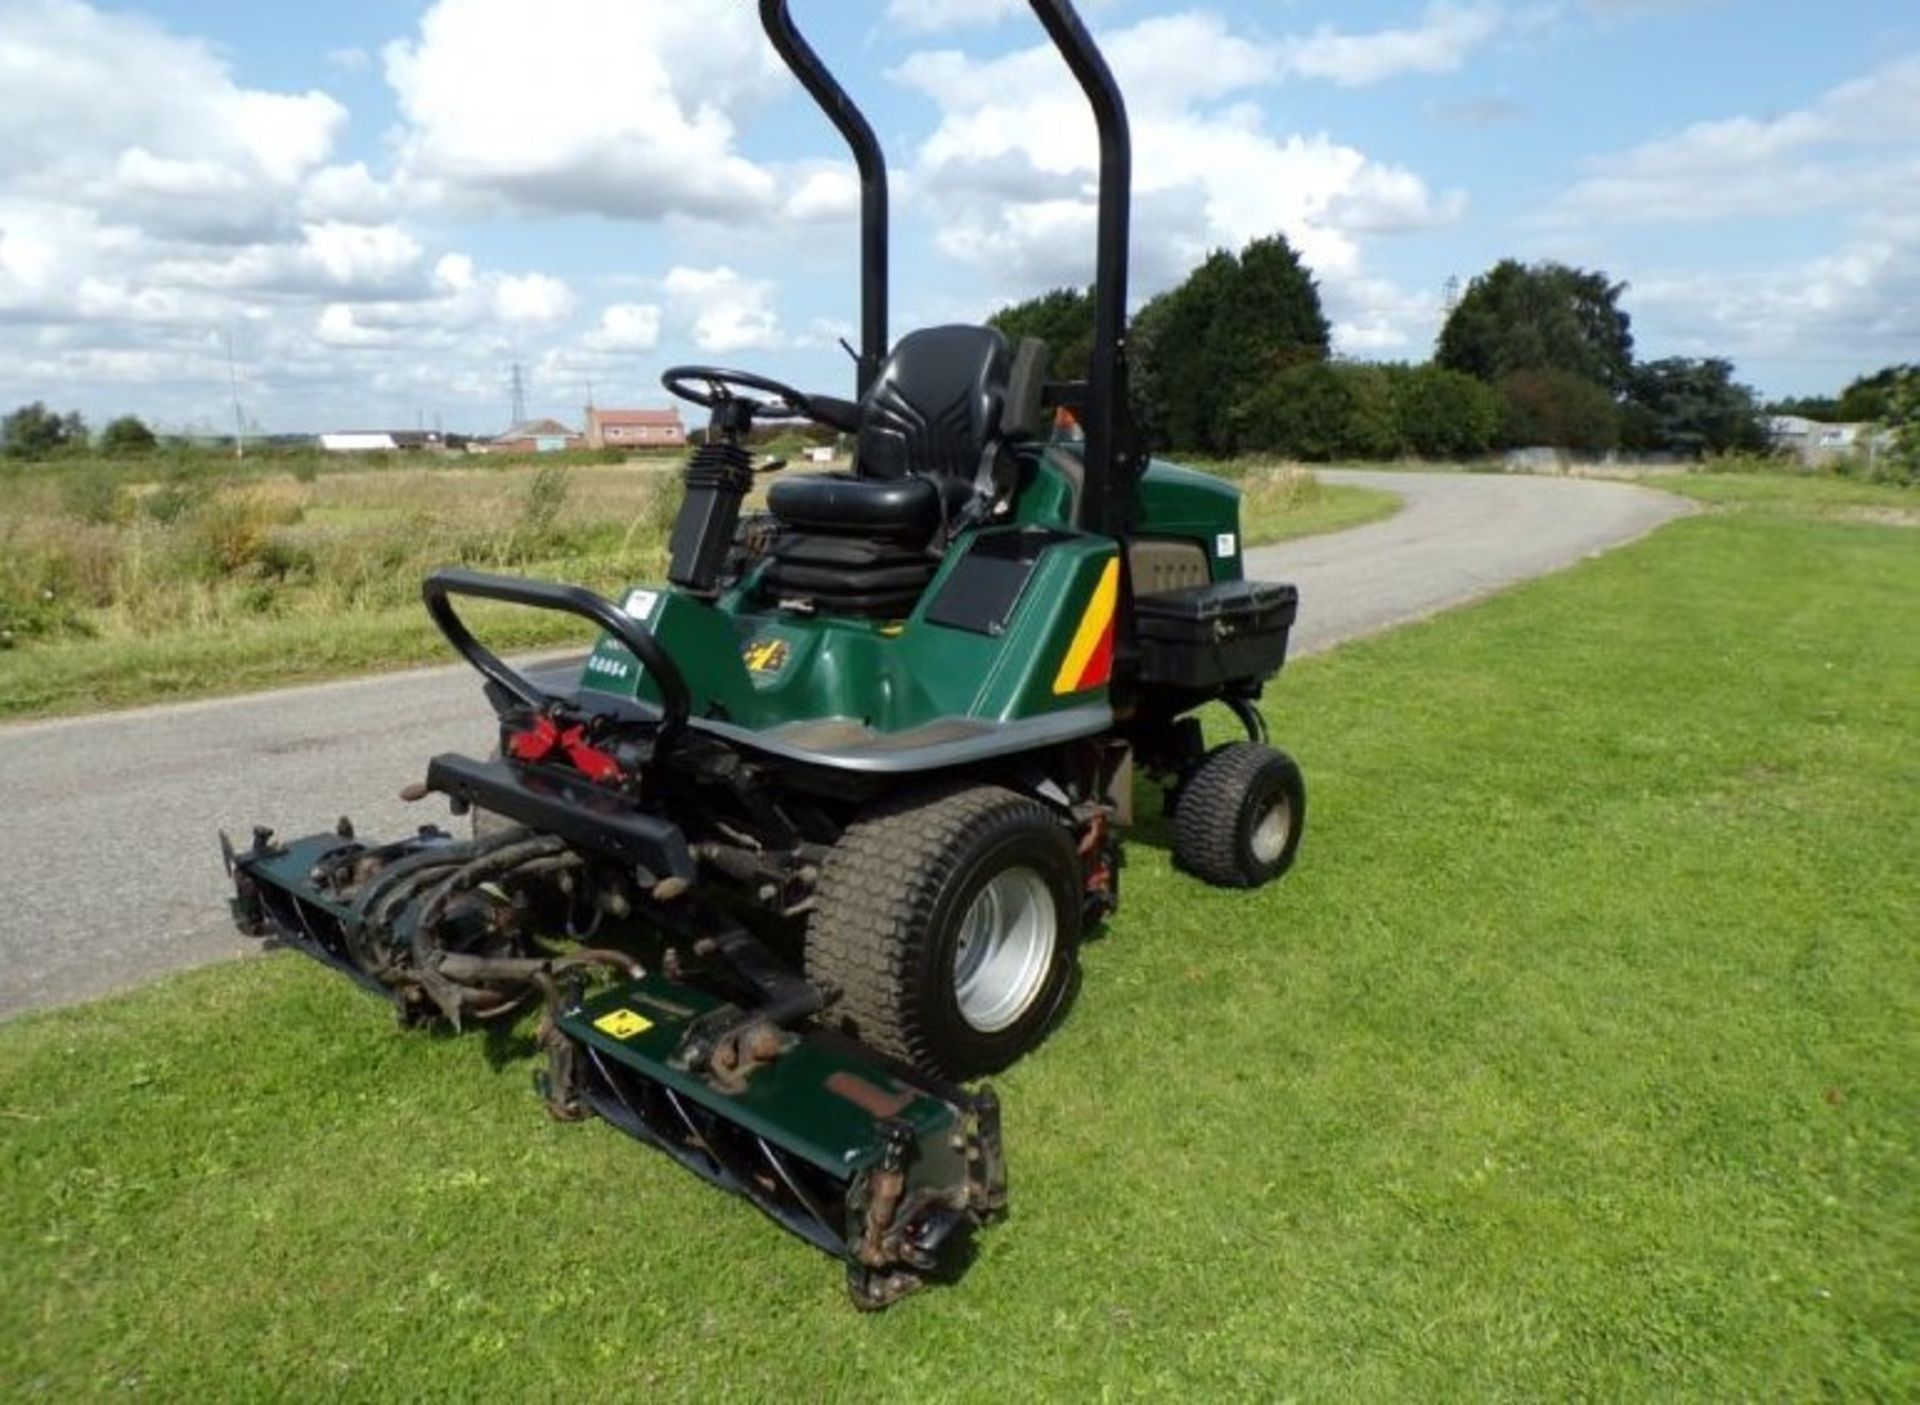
(814, 836)
(870, 1162)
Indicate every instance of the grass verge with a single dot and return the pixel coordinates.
(1284, 504)
(1576, 1059)
(116, 592)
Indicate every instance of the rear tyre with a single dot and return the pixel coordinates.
(951, 925)
(1238, 819)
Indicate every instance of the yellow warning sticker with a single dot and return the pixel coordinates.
(623, 1023)
(765, 655)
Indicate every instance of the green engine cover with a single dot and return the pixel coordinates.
(1017, 627)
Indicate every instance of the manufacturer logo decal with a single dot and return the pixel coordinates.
(765, 656)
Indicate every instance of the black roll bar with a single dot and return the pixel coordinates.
(441, 585)
(872, 164)
(1109, 449)
(1105, 498)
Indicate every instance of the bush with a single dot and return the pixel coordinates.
(1443, 414)
(1557, 408)
(232, 535)
(126, 437)
(1321, 410)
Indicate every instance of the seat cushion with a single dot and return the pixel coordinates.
(837, 504)
(868, 577)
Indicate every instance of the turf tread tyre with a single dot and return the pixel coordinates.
(1220, 805)
(890, 888)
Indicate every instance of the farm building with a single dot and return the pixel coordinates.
(384, 441)
(535, 437)
(635, 429)
(1817, 443)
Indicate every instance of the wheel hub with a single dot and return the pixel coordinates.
(1270, 835)
(1005, 949)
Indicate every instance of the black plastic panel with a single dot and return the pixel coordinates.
(980, 594)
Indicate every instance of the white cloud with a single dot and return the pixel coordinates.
(1858, 306)
(1440, 43)
(627, 108)
(1010, 170)
(1853, 147)
(349, 60)
(929, 16)
(723, 310)
(626, 326)
(828, 193)
(151, 204)
(532, 298)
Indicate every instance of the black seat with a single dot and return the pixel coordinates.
(933, 417)
(840, 504)
(931, 455)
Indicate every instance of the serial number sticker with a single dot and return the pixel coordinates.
(765, 655)
(623, 1023)
(1225, 545)
(640, 604)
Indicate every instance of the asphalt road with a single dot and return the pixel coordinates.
(107, 823)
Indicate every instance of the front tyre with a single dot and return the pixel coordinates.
(951, 925)
(1238, 818)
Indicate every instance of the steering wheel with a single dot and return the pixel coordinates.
(720, 387)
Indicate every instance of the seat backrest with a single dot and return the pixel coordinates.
(936, 406)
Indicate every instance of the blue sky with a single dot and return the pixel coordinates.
(383, 206)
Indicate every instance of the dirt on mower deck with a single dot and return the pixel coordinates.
(139, 795)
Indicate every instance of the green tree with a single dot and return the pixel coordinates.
(1063, 319)
(1204, 348)
(1683, 406)
(34, 432)
(1442, 414)
(1825, 408)
(1901, 464)
(1557, 408)
(1540, 317)
(1873, 397)
(127, 436)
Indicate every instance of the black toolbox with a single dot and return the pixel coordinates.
(1209, 635)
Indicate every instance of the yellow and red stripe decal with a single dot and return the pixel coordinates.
(1089, 660)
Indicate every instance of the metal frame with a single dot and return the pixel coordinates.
(1110, 465)
(872, 162)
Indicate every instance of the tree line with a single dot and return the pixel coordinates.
(1238, 359)
(35, 432)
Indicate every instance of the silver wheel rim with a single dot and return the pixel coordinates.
(1005, 949)
(1270, 835)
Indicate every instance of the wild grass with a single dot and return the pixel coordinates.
(1576, 1060)
(124, 584)
(115, 590)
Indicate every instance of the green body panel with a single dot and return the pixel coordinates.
(791, 1102)
(892, 677)
(1182, 502)
(886, 676)
(1170, 501)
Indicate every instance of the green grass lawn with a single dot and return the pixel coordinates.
(1798, 495)
(1578, 1057)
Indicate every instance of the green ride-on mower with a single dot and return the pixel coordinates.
(812, 840)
